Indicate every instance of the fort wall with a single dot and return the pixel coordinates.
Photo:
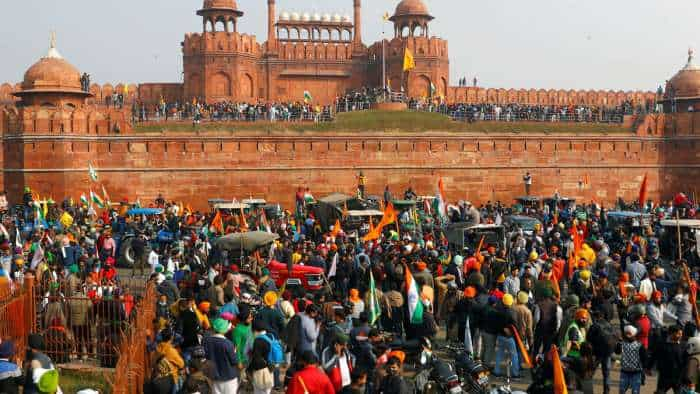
(475, 167)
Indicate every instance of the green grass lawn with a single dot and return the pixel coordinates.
(74, 380)
(407, 121)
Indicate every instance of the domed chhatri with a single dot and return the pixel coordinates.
(226, 11)
(412, 8)
(682, 92)
(220, 5)
(411, 16)
(52, 75)
(686, 83)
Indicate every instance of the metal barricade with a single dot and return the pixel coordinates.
(134, 366)
(17, 315)
(84, 324)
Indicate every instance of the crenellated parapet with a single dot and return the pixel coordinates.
(221, 43)
(554, 97)
(87, 120)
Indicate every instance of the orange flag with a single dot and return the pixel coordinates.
(217, 222)
(336, 228)
(523, 352)
(643, 193)
(578, 243)
(559, 380)
(388, 218)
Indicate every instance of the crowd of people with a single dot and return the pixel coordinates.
(604, 295)
(198, 111)
(523, 112)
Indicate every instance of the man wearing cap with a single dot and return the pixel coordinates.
(220, 351)
(632, 361)
(505, 341)
(523, 318)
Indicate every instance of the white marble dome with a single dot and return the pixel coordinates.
(337, 18)
(326, 17)
(306, 17)
(316, 17)
(346, 18)
(295, 16)
(284, 16)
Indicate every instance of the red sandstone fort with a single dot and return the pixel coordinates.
(51, 128)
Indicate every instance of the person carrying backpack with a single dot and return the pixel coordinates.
(604, 339)
(268, 346)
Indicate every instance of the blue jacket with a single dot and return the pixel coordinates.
(220, 351)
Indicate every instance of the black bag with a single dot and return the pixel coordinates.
(292, 333)
(605, 338)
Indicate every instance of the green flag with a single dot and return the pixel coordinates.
(374, 310)
(92, 172)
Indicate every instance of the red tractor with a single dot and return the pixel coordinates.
(310, 278)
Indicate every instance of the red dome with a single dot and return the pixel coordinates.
(686, 83)
(220, 4)
(51, 74)
(411, 7)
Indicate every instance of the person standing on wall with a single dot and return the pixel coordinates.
(527, 179)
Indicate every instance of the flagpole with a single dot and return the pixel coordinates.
(383, 62)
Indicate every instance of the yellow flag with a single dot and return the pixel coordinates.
(386, 16)
(408, 62)
(66, 220)
(126, 90)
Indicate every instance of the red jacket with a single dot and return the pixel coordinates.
(644, 326)
(310, 380)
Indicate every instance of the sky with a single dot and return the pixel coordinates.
(562, 44)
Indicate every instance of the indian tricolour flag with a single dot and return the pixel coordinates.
(307, 97)
(415, 306)
(84, 200)
(374, 310)
(97, 200)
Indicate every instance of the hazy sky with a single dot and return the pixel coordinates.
(579, 44)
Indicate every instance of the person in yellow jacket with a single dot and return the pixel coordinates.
(202, 313)
(167, 361)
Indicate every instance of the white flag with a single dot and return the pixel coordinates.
(18, 238)
(468, 344)
(38, 256)
(334, 266)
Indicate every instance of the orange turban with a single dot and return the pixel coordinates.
(421, 266)
(470, 292)
(354, 295)
(398, 354)
(581, 314)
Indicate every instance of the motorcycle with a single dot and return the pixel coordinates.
(476, 376)
(438, 376)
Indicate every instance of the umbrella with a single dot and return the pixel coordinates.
(247, 241)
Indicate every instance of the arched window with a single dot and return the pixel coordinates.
(304, 34)
(405, 31)
(293, 33)
(418, 31)
(220, 25)
(325, 35)
(282, 33)
(346, 36)
(335, 35)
